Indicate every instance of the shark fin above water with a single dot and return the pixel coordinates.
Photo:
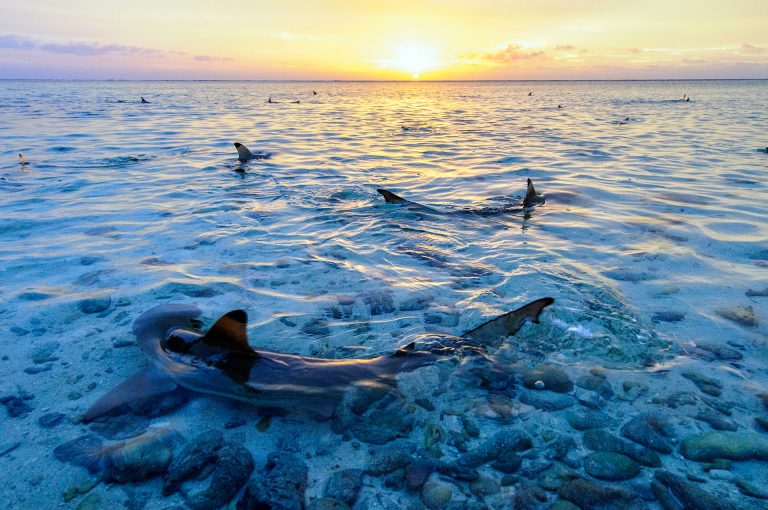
(147, 383)
(402, 351)
(229, 332)
(391, 198)
(531, 197)
(509, 323)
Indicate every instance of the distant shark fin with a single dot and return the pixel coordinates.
(243, 153)
(531, 197)
(147, 383)
(390, 197)
(509, 323)
(229, 332)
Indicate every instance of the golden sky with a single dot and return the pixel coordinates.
(397, 39)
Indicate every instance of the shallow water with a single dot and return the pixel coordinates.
(655, 217)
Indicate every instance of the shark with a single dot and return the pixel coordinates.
(532, 199)
(221, 362)
(244, 154)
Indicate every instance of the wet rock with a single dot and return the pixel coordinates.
(507, 462)
(390, 458)
(503, 441)
(588, 420)
(677, 399)
(415, 303)
(553, 378)
(721, 351)
(457, 471)
(50, 420)
(647, 430)
(633, 390)
(555, 476)
(602, 441)
(716, 420)
(707, 385)
(37, 369)
(316, 327)
(484, 486)
(686, 493)
(757, 292)
(232, 467)
(547, 400)
(589, 495)
(90, 502)
(436, 494)
(610, 466)
(742, 315)
(82, 451)
(381, 426)
(563, 505)
(751, 489)
(597, 384)
(43, 353)
(528, 495)
(279, 486)
(725, 445)
(328, 504)
(94, 305)
(626, 275)
(668, 316)
(17, 405)
(191, 460)
(138, 458)
(417, 473)
(344, 485)
(379, 301)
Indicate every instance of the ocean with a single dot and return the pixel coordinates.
(652, 240)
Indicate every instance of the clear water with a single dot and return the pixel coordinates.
(142, 204)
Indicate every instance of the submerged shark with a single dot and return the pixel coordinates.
(221, 362)
(532, 198)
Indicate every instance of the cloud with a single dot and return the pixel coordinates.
(565, 47)
(90, 49)
(749, 48)
(511, 53)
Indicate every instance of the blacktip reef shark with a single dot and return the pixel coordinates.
(221, 362)
(531, 199)
(243, 154)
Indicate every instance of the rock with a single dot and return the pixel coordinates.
(589, 495)
(762, 423)
(528, 495)
(560, 447)
(725, 445)
(138, 458)
(417, 473)
(381, 426)
(436, 494)
(279, 486)
(757, 292)
(90, 502)
(557, 475)
(379, 301)
(647, 430)
(600, 440)
(751, 489)
(43, 353)
(547, 400)
(742, 315)
(94, 305)
(705, 384)
(597, 384)
(691, 496)
(507, 462)
(415, 303)
(328, 504)
(457, 472)
(50, 420)
(554, 379)
(588, 420)
(563, 505)
(83, 451)
(425, 403)
(716, 420)
(484, 486)
(721, 351)
(344, 485)
(232, 467)
(505, 440)
(610, 466)
(633, 390)
(668, 316)
(191, 460)
(316, 327)
(16, 406)
(390, 458)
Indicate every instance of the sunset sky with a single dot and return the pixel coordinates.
(396, 39)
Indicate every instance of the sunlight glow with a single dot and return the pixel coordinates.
(415, 58)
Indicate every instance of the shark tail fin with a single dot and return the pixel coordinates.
(509, 323)
(390, 197)
(229, 332)
(531, 197)
(243, 153)
(147, 383)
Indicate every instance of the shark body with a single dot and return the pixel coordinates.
(221, 362)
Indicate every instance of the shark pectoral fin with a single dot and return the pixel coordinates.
(390, 197)
(531, 197)
(229, 332)
(509, 323)
(149, 382)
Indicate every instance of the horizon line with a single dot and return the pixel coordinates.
(372, 81)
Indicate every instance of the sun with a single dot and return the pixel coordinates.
(415, 58)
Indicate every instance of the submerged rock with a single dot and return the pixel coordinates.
(671, 489)
(95, 305)
(82, 451)
(17, 405)
(743, 315)
(707, 385)
(589, 495)
(600, 440)
(279, 486)
(610, 466)
(548, 377)
(547, 400)
(725, 445)
(418, 472)
(648, 430)
(436, 494)
(344, 485)
(503, 441)
(391, 458)
(588, 420)
(379, 301)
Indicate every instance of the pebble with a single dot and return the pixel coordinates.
(633, 390)
(671, 488)
(554, 379)
(725, 445)
(547, 400)
(197, 454)
(327, 504)
(668, 316)
(743, 315)
(417, 473)
(716, 420)
(94, 305)
(436, 494)
(37, 369)
(83, 451)
(507, 462)
(600, 440)
(503, 441)
(484, 486)
(610, 466)
(588, 420)
(390, 458)
(43, 353)
(707, 385)
(344, 485)
(233, 466)
(586, 494)
(597, 384)
(720, 351)
(279, 486)
(646, 430)
(316, 327)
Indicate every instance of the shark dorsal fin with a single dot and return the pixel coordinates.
(531, 197)
(243, 153)
(229, 332)
(509, 323)
(402, 351)
(390, 197)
